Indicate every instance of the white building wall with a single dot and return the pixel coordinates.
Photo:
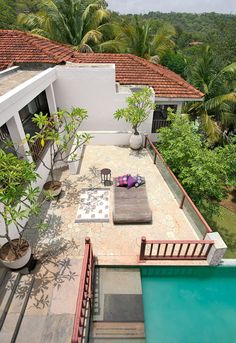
(10, 104)
(94, 88)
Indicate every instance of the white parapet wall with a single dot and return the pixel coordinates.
(218, 249)
(93, 87)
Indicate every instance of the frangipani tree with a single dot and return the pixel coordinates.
(18, 201)
(140, 105)
(61, 133)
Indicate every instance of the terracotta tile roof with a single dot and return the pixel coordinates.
(131, 69)
(18, 47)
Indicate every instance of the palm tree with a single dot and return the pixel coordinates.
(75, 22)
(217, 113)
(145, 38)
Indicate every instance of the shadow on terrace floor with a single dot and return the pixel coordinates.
(53, 253)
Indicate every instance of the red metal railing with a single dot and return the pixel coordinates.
(84, 299)
(185, 196)
(175, 250)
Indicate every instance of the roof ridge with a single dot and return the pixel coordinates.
(155, 67)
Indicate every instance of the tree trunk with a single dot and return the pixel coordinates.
(136, 133)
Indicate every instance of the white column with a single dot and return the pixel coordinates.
(18, 138)
(51, 99)
(179, 108)
(218, 249)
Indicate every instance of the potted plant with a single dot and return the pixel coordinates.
(18, 200)
(61, 133)
(140, 105)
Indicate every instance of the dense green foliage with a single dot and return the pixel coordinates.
(214, 29)
(145, 38)
(7, 14)
(205, 173)
(76, 22)
(18, 197)
(217, 112)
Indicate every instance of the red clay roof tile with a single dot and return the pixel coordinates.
(17, 47)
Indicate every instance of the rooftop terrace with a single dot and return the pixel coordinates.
(117, 244)
(50, 311)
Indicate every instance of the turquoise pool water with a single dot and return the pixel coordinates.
(189, 304)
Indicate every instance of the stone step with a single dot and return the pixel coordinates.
(118, 330)
(3, 272)
(14, 301)
(9, 283)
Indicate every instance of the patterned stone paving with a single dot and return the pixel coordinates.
(51, 307)
(114, 242)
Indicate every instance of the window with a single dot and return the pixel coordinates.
(160, 116)
(4, 137)
(38, 104)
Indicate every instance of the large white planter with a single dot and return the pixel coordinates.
(20, 262)
(136, 141)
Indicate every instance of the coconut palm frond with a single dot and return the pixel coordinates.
(218, 100)
(155, 59)
(94, 36)
(83, 48)
(110, 46)
(230, 69)
(211, 128)
(228, 118)
(75, 22)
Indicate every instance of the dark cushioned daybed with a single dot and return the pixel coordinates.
(131, 206)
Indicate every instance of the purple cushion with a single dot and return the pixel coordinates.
(121, 181)
(140, 180)
(131, 181)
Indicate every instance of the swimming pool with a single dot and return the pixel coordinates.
(189, 304)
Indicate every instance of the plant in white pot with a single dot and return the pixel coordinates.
(18, 201)
(140, 106)
(60, 132)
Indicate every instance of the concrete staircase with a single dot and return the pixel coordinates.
(15, 290)
(118, 309)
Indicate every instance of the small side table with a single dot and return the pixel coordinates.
(106, 176)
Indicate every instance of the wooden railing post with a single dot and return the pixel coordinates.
(87, 240)
(182, 201)
(155, 158)
(145, 142)
(142, 248)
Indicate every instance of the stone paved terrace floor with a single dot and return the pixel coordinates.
(51, 307)
(114, 244)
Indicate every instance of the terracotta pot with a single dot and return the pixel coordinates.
(53, 188)
(136, 141)
(21, 261)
